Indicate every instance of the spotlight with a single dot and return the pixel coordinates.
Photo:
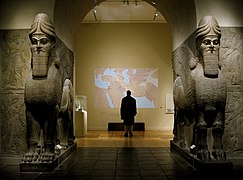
(156, 14)
(125, 3)
(153, 2)
(94, 13)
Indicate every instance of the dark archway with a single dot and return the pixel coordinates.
(180, 15)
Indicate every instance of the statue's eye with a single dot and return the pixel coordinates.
(34, 41)
(207, 42)
(216, 42)
(44, 41)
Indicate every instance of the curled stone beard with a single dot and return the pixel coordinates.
(211, 63)
(40, 63)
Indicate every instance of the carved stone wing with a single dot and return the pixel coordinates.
(66, 59)
(183, 62)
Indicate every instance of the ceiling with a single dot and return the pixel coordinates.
(120, 11)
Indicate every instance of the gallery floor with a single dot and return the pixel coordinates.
(109, 155)
(116, 139)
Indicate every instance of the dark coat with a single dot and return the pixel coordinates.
(128, 110)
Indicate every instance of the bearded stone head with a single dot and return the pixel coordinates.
(42, 37)
(208, 36)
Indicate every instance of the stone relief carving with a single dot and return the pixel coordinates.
(200, 92)
(47, 83)
(232, 66)
(13, 126)
(13, 59)
(14, 64)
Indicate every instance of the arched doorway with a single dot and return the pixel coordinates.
(78, 13)
(113, 57)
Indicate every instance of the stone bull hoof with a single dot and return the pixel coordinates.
(47, 157)
(35, 157)
(30, 157)
(182, 144)
(64, 146)
(219, 154)
(204, 155)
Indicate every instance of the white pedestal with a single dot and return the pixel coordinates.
(80, 123)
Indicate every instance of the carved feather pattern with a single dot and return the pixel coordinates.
(183, 62)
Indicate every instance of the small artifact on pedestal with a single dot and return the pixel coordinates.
(48, 100)
(200, 95)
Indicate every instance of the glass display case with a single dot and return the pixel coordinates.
(80, 103)
(169, 104)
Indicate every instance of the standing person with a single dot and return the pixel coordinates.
(128, 111)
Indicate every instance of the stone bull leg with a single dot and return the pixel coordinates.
(218, 152)
(202, 146)
(41, 134)
(179, 100)
(49, 136)
(65, 128)
(183, 116)
(33, 130)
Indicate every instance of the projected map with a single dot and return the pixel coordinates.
(111, 85)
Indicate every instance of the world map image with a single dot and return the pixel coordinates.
(111, 85)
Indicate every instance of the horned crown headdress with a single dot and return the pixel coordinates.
(208, 25)
(42, 24)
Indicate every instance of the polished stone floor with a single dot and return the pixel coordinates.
(110, 155)
(116, 139)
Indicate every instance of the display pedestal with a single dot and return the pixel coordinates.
(47, 166)
(80, 123)
(220, 168)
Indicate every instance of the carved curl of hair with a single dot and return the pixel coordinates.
(43, 22)
(207, 24)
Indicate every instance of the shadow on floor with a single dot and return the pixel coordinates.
(116, 163)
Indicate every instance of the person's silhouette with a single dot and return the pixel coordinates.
(128, 111)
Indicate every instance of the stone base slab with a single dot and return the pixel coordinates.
(205, 168)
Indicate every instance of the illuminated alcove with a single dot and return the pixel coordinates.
(124, 45)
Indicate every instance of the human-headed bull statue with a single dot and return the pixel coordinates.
(45, 89)
(200, 92)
